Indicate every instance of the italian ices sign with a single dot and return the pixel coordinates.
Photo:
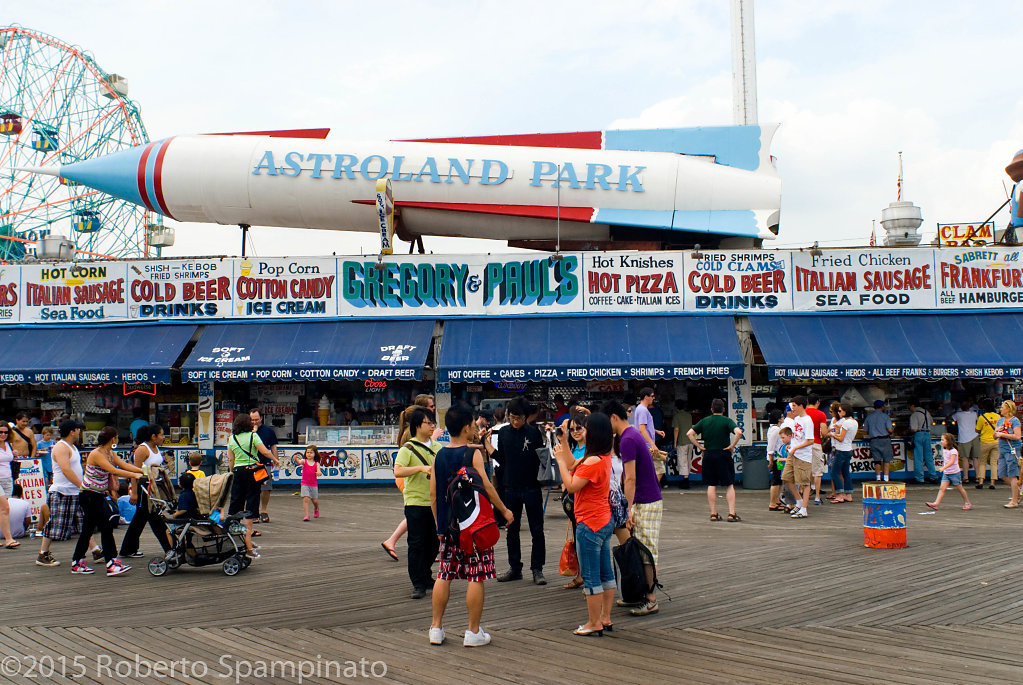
(712, 282)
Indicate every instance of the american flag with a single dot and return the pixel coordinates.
(899, 184)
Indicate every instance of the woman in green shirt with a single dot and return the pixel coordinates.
(244, 451)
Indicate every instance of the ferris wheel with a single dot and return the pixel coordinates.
(57, 107)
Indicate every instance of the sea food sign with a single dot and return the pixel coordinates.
(478, 285)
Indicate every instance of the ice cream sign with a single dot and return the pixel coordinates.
(278, 288)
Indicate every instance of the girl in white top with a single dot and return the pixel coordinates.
(950, 473)
(842, 431)
(6, 485)
(147, 455)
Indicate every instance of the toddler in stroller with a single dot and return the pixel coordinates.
(203, 537)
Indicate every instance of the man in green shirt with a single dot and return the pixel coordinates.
(413, 464)
(720, 435)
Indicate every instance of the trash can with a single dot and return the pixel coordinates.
(884, 515)
(756, 474)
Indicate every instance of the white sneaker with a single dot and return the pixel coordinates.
(437, 636)
(800, 513)
(476, 639)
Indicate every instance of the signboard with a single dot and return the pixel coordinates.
(863, 280)
(33, 485)
(740, 406)
(204, 430)
(742, 281)
(966, 235)
(72, 293)
(712, 282)
(631, 283)
(979, 278)
(428, 285)
(180, 289)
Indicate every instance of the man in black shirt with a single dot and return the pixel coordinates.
(269, 438)
(516, 453)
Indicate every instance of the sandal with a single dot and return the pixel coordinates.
(256, 534)
(734, 518)
(264, 518)
(573, 584)
(716, 517)
(776, 507)
(390, 551)
(13, 544)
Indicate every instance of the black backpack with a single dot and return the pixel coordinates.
(471, 521)
(630, 558)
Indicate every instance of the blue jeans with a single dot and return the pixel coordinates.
(594, 551)
(922, 453)
(841, 471)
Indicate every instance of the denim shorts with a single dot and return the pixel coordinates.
(952, 478)
(1008, 465)
(594, 551)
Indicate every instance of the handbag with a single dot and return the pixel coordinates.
(548, 475)
(569, 563)
(400, 482)
(259, 471)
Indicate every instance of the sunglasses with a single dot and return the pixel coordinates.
(576, 429)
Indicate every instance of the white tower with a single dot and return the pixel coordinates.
(744, 63)
(901, 219)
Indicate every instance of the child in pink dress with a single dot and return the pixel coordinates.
(950, 472)
(310, 478)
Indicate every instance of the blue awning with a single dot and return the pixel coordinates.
(924, 346)
(98, 354)
(322, 350)
(588, 348)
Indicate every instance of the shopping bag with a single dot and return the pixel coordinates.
(569, 564)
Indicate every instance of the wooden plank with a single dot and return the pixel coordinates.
(769, 600)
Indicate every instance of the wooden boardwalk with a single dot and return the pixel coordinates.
(769, 600)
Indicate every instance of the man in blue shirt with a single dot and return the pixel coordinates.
(879, 433)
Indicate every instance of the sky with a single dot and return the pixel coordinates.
(851, 85)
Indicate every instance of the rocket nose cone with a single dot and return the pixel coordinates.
(125, 174)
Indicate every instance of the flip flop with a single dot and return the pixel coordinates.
(13, 544)
(390, 552)
(256, 534)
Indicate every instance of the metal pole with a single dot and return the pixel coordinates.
(245, 233)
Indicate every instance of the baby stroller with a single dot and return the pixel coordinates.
(203, 541)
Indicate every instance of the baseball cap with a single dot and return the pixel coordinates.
(878, 404)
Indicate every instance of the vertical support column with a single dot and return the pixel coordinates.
(744, 64)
